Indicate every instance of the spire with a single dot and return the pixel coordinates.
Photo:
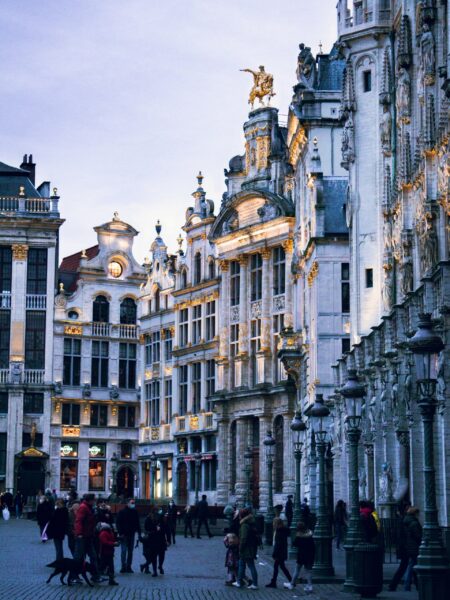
(200, 179)
(158, 227)
(316, 163)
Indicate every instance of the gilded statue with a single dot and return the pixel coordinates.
(262, 86)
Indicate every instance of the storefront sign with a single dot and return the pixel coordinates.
(71, 432)
(97, 450)
(69, 450)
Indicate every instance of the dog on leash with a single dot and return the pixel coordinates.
(72, 567)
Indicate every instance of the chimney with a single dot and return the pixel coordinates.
(30, 166)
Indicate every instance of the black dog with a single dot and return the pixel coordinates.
(71, 566)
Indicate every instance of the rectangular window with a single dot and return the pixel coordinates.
(367, 81)
(3, 439)
(72, 361)
(153, 397)
(148, 348)
(99, 415)
(156, 347)
(37, 271)
(197, 324)
(127, 366)
(69, 474)
(168, 341)
(126, 416)
(369, 278)
(345, 345)
(210, 320)
(70, 413)
(234, 339)
(235, 276)
(35, 339)
(3, 403)
(5, 336)
(167, 416)
(255, 346)
(196, 387)
(279, 271)
(210, 381)
(183, 329)
(97, 475)
(210, 471)
(33, 403)
(99, 364)
(5, 269)
(26, 440)
(256, 276)
(345, 287)
(183, 389)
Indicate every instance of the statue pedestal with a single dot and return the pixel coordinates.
(387, 509)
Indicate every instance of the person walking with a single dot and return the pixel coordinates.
(413, 539)
(304, 544)
(71, 530)
(305, 513)
(231, 543)
(58, 527)
(43, 513)
(188, 516)
(84, 530)
(18, 504)
(289, 510)
(107, 543)
(127, 526)
(162, 539)
(202, 516)
(340, 522)
(149, 545)
(248, 547)
(280, 551)
(172, 515)
(401, 551)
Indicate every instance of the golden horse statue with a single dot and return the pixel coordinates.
(262, 86)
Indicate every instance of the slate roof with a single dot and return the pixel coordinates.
(334, 199)
(69, 267)
(11, 178)
(329, 72)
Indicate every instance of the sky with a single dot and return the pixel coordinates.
(121, 103)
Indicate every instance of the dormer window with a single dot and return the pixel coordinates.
(183, 278)
(115, 269)
(211, 269)
(197, 268)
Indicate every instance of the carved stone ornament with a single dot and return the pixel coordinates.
(262, 151)
(404, 54)
(404, 95)
(314, 271)
(385, 130)
(348, 142)
(268, 212)
(279, 303)
(386, 483)
(234, 314)
(427, 48)
(428, 242)
(256, 309)
(19, 251)
(306, 67)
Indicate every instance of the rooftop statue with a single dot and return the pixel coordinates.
(262, 86)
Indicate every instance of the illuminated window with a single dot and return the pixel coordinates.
(115, 269)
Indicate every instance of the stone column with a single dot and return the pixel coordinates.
(368, 448)
(265, 425)
(223, 471)
(223, 326)
(241, 445)
(241, 361)
(288, 247)
(264, 371)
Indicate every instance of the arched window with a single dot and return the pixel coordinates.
(183, 278)
(197, 268)
(211, 269)
(279, 453)
(128, 312)
(100, 312)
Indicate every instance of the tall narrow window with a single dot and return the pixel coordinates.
(183, 388)
(5, 304)
(369, 278)
(197, 267)
(70, 413)
(279, 271)
(72, 361)
(35, 339)
(255, 346)
(367, 81)
(99, 364)
(100, 310)
(211, 269)
(167, 414)
(37, 271)
(157, 301)
(127, 366)
(148, 348)
(183, 278)
(235, 273)
(168, 341)
(99, 415)
(234, 339)
(5, 269)
(33, 403)
(156, 347)
(196, 387)
(345, 287)
(197, 324)
(210, 382)
(210, 320)
(183, 328)
(5, 329)
(153, 404)
(128, 312)
(256, 276)
(126, 416)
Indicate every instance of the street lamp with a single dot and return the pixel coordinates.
(353, 393)
(323, 564)
(114, 463)
(432, 564)
(269, 444)
(248, 459)
(198, 464)
(297, 428)
(153, 462)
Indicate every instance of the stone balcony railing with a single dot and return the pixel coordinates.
(185, 424)
(124, 332)
(29, 206)
(28, 376)
(5, 300)
(36, 301)
(362, 14)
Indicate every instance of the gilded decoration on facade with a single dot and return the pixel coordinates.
(262, 151)
(73, 330)
(262, 86)
(314, 271)
(19, 251)
(68, 431)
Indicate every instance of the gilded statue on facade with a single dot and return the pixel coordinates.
(262, 86)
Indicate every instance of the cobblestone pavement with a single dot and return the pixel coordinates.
(194, 570)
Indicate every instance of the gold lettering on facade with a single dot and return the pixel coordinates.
(73, 330)
(71, 432)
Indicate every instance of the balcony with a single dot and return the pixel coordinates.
(28, 376)
(158, 433)
(127, 332)
(4, 375)
(36, 301)
(29, 206)
(193, 423)
(101, 329)
(5, 300)
(124, 332)
(34, 376)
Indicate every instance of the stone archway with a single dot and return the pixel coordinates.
(125, 481)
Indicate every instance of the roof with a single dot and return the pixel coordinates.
(11, 178)
(329, 73)
(334, 199)
(68, 269)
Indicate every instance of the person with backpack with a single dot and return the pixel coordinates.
(249, 540)
(280, 551)
(304, 544)
(368, 523)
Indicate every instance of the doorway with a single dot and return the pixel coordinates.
(125, 482)
(31, 477)
(182, 483)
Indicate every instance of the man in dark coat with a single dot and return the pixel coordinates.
(248, 548)
(43, 513)
(58, 527)
(202, 516)
(84, 531)
(413, 538)
(127, 526)
(172, 515)
(289, 510)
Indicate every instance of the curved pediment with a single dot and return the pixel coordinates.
(250, 207)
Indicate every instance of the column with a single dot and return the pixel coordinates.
(241, 443)
(223, 471)
(263, 359)
(241, 361)
(265, 425)
(288, 247)
(223, 326)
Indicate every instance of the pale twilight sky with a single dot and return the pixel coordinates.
(122, 102)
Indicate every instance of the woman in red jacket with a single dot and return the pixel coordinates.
(107, 543)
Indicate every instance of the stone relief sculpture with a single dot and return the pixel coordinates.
(268, 212)
(306, 66)
(348, 142)
(385, 131)
(386, 481)
(403, 95)
(427, 54)
(387, 291)
(262, 86)
(406, 269)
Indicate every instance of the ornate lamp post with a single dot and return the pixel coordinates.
(297, 428)
(198, 464)
(323, 565)
(248, 460)
(432, 564)
(114, 463)
(153, 462)
(353, 393)
(269, 444)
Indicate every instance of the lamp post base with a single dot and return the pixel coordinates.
(268, 529)
(349, 583)
(323, 564)
(433, 582)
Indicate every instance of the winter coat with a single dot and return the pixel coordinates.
(340, 515)
(58, 526)
(304, 543)
(43, 513)
(154, 539)
(202, 509)
(413, 535)
(104, 515)
(289, 510)
(172, 515)
(280, 547)
(188, 516)
(128, 522)
(368, 525)
(247, 538)
(84, 521)
(107, 542)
